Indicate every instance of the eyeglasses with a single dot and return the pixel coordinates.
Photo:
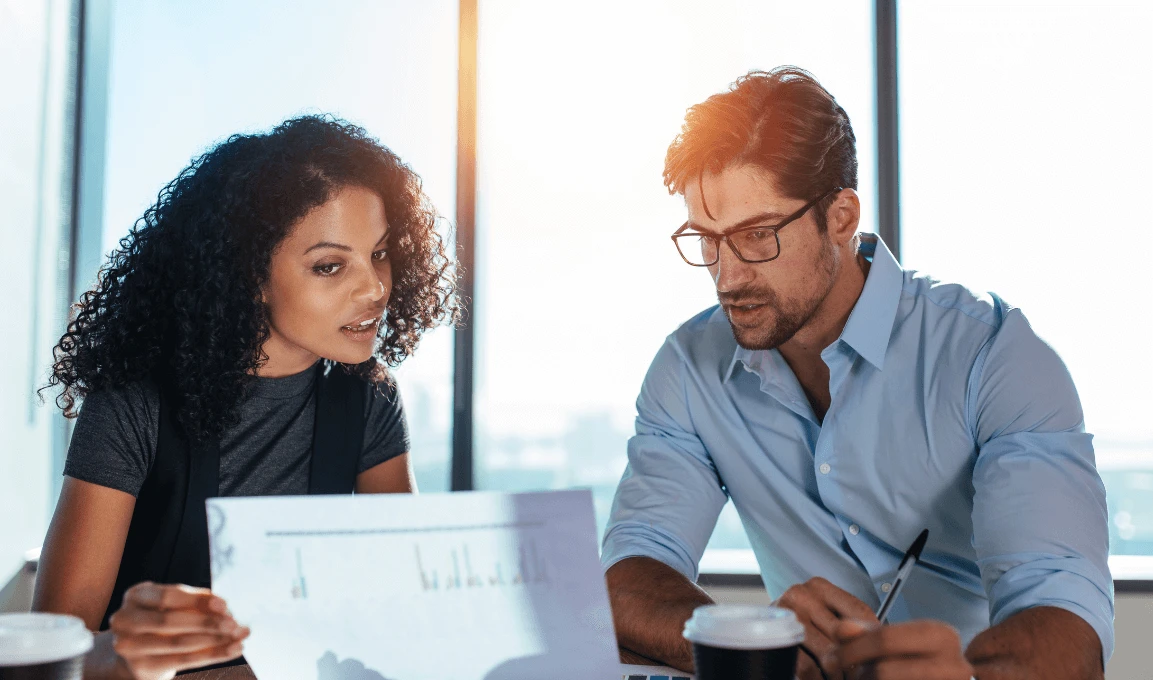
(750, 244)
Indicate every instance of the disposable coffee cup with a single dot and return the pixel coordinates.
(42, 647)
(739, 642)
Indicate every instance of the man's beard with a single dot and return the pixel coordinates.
(791, 316)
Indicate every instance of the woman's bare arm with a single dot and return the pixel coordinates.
(160, 629)
(82, 551)
(392, 476)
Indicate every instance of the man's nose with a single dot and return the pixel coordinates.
(730, 273)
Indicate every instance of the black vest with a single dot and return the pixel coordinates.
(168, 538)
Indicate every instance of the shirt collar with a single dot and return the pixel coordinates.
(870, 324)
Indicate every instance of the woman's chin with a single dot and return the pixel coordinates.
(349, 353)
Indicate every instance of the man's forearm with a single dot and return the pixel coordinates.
(651, 602)
(1043, 642)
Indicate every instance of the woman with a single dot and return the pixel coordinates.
(237, 343)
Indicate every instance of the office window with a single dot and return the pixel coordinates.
(36, 79)
(578, 283)
(1025, 141)
(185, 75)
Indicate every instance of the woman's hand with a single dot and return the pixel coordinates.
(162, 629)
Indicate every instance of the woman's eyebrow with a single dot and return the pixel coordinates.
(328, 244)
(340, 246)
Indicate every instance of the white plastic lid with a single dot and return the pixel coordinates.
(28, 639)
(732, 626)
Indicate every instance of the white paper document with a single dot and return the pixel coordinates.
(463, 586)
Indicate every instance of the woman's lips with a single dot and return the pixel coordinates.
(362, 331)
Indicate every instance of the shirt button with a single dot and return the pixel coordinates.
(886, 587)
(854, 529)
(825, 468)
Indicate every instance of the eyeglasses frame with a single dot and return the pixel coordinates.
(724, 237)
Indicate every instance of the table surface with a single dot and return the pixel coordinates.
(245, 673)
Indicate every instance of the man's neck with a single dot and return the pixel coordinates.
(803, 350)
(829, 320)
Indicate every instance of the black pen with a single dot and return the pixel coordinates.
(912, 556)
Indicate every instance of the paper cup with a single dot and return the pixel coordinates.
(739, 642)
(42, 647)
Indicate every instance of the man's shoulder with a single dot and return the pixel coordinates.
(704, 342)
(950, 302)
(708, 329)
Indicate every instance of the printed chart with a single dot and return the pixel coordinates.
(389, 583)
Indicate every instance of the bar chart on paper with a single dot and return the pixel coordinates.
(386, 584)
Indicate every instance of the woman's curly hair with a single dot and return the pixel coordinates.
(179, 301)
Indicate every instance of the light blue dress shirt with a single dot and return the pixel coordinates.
(947, 413)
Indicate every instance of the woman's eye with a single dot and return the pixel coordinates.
(326, 269)
(380, 255)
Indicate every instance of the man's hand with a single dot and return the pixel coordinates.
(918, 650)
(821, 606)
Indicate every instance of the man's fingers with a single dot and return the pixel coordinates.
(134, 620)
(920, 668)
(914, 639)
(163, 596)
(850, 630)
(811, 611)
(845, 604)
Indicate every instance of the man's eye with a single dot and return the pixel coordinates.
(759, 234)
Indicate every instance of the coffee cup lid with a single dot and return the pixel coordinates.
(732, 626)
(27, 639)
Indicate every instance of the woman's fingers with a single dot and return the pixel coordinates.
(146, 666)
(135, 620)
(166, 596)
(153, 645)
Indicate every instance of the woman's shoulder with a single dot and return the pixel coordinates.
(385, 426)
(136, 403)
(114, 441)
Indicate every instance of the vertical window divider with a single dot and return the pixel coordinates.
(462, 476)
(888, 152)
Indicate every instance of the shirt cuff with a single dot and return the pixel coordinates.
(1071, 583)
(633, 539)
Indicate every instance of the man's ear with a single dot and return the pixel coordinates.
(843, 216)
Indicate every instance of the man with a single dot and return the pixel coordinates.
(844, 404)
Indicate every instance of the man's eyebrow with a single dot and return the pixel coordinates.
(340, 246)
(747, 222)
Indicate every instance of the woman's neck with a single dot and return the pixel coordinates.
(284, 358)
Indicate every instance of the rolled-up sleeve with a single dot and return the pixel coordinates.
(670, 496)
(1040, 524)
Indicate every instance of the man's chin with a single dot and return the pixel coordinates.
(761, 336)
(755, 340)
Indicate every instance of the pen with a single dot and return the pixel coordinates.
(912, 556)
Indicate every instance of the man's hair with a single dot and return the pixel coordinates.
(781, 121)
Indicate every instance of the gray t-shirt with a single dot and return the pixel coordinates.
(267, 453)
